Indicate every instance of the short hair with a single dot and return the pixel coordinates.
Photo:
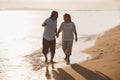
(54, 13)
(68, 15)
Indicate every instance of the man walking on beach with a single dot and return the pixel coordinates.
(49, 35)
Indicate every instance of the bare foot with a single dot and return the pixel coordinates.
(52, 62)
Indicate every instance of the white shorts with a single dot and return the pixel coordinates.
(67, 47)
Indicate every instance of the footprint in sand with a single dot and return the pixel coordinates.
(98, 57)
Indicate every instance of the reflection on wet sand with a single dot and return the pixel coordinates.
(49, 68)
(22, 70)
(48, 76)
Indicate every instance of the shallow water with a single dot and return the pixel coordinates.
(15, 66)
(32, 67)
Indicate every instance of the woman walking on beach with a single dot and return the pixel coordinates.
(49, 35)
(68, 30)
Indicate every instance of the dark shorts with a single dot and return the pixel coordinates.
(48, 45)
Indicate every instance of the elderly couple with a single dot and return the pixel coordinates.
(68, 30)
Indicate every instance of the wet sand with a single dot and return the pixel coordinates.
(15, 66)
(104, 65)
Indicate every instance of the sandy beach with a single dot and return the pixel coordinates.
(104, 65)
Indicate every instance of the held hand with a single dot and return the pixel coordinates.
(57, 35)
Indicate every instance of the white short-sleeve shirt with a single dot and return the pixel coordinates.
(49, 30)
(68, 30)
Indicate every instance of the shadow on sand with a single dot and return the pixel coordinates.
(60, 74)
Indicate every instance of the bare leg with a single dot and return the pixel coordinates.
(68, 59)
(52, 56)
(65, 57)
(65, 52)
(46, 59)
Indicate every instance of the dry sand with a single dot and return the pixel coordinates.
(104, 65)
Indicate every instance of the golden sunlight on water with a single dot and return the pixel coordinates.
(17, 66)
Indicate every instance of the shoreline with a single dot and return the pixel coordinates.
(37, 58)
(104, 65)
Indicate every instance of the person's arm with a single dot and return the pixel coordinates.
(44, 24)
(56, 34)
(75, 32)
(76, 38)
(59, 30)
